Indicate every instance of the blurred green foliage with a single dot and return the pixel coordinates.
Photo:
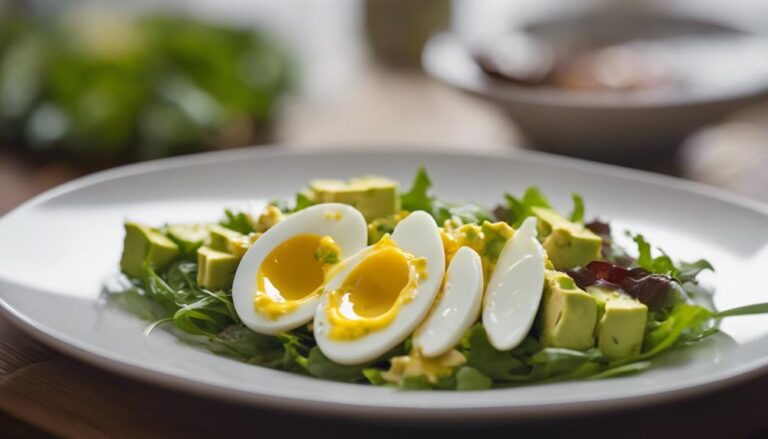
(104, 87)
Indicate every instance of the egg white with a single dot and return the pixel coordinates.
(514, 290)
(418, 235)
(341, 222)
(457, 308)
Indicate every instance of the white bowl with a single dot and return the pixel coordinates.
(617, 126)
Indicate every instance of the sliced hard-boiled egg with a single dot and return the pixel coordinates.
(457, 307)
(280, 279)
(514, 290)
(382, 293)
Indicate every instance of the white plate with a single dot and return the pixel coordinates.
(58, 249)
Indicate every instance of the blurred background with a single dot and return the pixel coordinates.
(675, 86)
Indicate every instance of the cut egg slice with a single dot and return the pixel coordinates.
(280, 279)
(382, 293)
(514, 290)
(457, 307)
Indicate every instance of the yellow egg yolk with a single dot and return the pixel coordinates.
(415, 364)
(372, 294)
(487, 240)
(291, 274)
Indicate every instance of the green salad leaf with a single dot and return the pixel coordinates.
(498, 365)
(419, 198)
(469, 378)
(243, 343)
(518, 209)
(302, 202)
(240, 222)
(208, 318)
(577, 214)
(320, 366)
(521, 208)
(663, 264)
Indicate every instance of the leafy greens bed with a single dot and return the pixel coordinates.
(172, 297)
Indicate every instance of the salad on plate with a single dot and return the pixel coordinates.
(358, 281)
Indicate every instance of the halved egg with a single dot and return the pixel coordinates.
(280, 279)
(456, 308)
(514, 290)
(382, 293)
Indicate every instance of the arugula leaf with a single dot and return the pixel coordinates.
(644, 259)
(246, 344)
(755, 308)
(625, 369)
(320, 366)
(555, 361)
(481, 355)
(415, 382)
(417, 198)
(521, 208)
(469, 378)
(296, 350)
(239, 222)
(373, 375)
(663, 264)
(136, 301)
(682, 319)
(208, 316)
(689, 270)
(171, 299)
(302, 202)
(577, 214)
(466, 213)
(182, 275)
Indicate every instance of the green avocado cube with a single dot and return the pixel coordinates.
(621, 323)
(568, 244)
(568, 315)
(143, 245)
(215, 269)
(374, 197)
(229, 241)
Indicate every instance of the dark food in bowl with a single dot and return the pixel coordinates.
(522, 60)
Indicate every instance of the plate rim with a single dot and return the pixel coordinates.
(75, 348)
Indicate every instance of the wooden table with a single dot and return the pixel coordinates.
(44, 392)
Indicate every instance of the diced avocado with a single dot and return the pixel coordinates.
(189, 237)
(568, 314)
(621, 323)
(374, 197)
(142, 245)
(215, 269)
(568, 244)
(495, 236)
(228, 241)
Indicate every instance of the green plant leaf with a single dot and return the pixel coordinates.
(755, 308)
(521, 208)
(683, 318)
(577, 214)
(417, 198)
(481, 355)
(469, 378)
(240, 222)
(320, 366)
